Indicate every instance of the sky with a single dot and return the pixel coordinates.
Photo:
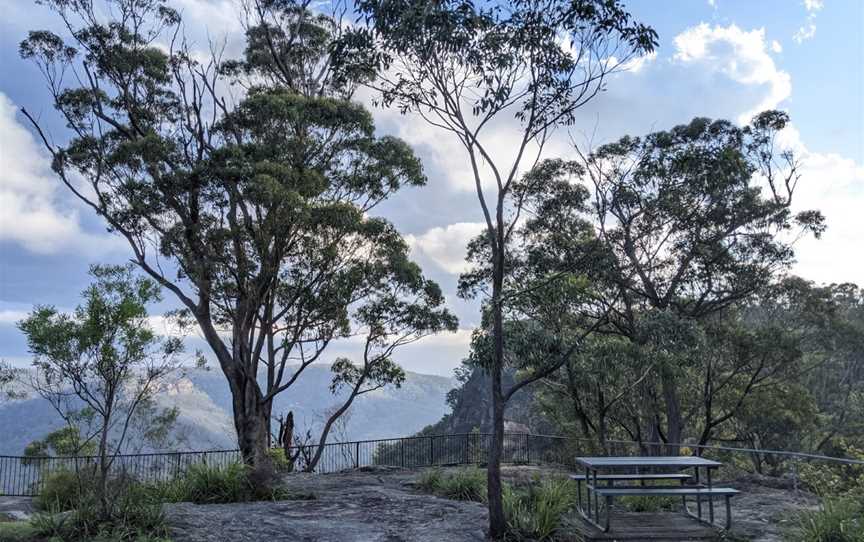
(717, 58)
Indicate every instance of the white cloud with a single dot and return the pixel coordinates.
(834, 185)
(808, 29)
(813, 5)
(776, 47)
(739, 55)
(445, 246)
(11, 317)
(804, 33)
(31, 211)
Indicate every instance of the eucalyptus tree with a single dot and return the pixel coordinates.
(692, 220)
(465, 67)
(99, 366)
(244, 187)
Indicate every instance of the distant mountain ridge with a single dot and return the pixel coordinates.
(205, 422)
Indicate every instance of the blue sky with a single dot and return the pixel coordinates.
(721, 59)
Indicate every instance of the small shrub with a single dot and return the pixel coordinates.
(429, 481)
(203, 484)
(130, 518)
(836, 520)
(536, 511)
(17, 531)
(280, 462)
(62, 490)
(464, 485)
(209, 485)
(460, 485)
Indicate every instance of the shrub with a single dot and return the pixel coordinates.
(536, 511)
(461, 485)
(836, 520)
(429, 481)
(280, 462)
(203, 484)
(17, 531)
(464, 485)
(62, 490)
(131, 518)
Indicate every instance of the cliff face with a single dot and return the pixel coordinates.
(471, 408)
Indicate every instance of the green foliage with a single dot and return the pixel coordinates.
(429, 480)
(64, 441)
(209, 485)
(18, 531)
(535, 512)
(468, 484)
(833, 480)
(280, 462)
(261, 204)
(836, 520)
(131, 517)
(62, 490)
(203, 484)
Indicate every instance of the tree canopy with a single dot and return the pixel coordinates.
(252, 207)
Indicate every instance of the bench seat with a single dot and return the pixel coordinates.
(665, 491)
(700, 492)
(632, 477)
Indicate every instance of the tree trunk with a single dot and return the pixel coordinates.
(674, 422)
(104, 502)
(497, 521)
(251, 421)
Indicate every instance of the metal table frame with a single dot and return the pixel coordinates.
(593, 465)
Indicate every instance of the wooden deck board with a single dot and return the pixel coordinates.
(665, 526)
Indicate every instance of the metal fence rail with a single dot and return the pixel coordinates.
(25, 476)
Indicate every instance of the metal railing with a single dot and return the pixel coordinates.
(25, 476)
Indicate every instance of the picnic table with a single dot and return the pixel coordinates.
(601, 474)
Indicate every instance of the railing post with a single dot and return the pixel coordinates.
(402, 452)
(467, 446)
(431, 450)
(357, 455)
(528, 448)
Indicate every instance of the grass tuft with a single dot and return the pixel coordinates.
(836, 520)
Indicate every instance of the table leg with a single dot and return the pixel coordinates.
(608, 512)
(728, 513)
(579, 494)
(710, 499)
(698, 497)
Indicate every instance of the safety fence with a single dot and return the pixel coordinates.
(25, 476)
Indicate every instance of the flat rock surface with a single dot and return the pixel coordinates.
(382, 505)
(349, 507)
(762, 513)
(16, 508)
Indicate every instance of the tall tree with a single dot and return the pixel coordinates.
(244, 187)
(464, 65)
(103, 356)
(692, 221)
